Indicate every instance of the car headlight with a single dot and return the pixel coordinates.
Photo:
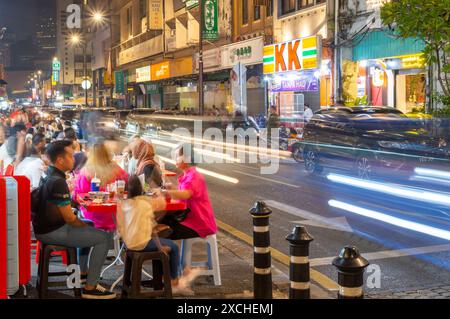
(390, 144)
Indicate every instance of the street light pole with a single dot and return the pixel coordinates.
(85, 74)
(201, 96)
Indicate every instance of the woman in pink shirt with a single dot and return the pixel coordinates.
(200, 221)
(99, 164)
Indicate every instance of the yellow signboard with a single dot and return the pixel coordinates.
(293, 55)
(170, 69)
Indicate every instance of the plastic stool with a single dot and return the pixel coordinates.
(43, 273)
(161, 283)
(61, 253)
(213, 257)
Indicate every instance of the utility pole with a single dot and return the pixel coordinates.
(201, 96)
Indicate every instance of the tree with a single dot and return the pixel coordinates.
(428, 21)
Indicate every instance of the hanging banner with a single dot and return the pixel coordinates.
(119, 77)
(211, 20)
(156, 17)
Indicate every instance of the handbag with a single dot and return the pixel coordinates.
(175, 217)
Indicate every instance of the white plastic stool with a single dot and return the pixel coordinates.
(213, 257)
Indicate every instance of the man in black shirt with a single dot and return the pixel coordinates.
(56, 224)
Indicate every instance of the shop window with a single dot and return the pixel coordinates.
(305, 3)
(287, 6)
(142, 8)
(130, 21)
(256, 13)
(244, 11)
(269, 8)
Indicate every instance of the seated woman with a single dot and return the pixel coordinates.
(146, 165)
(138, 228)
(99, 164)
(200, 221)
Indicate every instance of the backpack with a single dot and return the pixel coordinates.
(36, 197)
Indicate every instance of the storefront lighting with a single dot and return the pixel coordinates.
(378, 78)
(325, 68)
(266, 78)
(277, 79)
(363, 63)
(317, 74)
(292, 77)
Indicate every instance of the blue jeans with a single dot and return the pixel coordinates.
(83, 253)
(174, 255)
(82, 237)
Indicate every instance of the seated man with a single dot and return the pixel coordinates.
(56, 224)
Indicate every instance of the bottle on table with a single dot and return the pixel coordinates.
(95, 184)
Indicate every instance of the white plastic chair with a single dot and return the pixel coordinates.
(212, 264)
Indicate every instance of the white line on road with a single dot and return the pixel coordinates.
(336, 223)
(385, 254)
(403, 223)
(267, 179)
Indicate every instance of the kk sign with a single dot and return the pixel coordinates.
(211, 20)
(299, 54)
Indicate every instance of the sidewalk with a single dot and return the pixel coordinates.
(236, 262)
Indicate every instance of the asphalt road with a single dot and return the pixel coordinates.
(408, 239)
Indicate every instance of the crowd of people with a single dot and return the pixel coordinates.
(60, 167)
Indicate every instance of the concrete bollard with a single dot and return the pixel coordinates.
(299, 241)
(262, 277)
(351, 266)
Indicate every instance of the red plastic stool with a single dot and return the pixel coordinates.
(9, 170)
(62, 253)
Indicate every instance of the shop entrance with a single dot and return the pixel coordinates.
(409, 90)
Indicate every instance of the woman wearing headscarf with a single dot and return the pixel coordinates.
(146, 165)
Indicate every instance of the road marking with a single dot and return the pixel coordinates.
(267, 179)
(388, 219)
(315, 275)
(385, 254)
(335, 223)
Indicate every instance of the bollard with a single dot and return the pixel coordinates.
(299, 241)
(351, 266)
(262, 277)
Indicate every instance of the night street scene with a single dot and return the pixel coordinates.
(247, 151)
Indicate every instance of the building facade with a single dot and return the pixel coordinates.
(377, 67)
(155, 59)
(71, 55)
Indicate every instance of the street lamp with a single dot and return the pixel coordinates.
(76, 40)
(98, 17)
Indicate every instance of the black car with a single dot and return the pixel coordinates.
(367, 140)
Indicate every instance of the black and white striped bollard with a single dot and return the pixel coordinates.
(351, 266)
(262, 277)
(299, 241)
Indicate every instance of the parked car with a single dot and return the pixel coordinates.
(368, 140)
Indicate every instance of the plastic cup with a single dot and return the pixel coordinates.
(120, 189)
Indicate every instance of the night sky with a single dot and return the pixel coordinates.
(20, 16)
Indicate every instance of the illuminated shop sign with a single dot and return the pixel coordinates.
(295, 55)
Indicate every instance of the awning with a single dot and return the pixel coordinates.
(384, 44)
